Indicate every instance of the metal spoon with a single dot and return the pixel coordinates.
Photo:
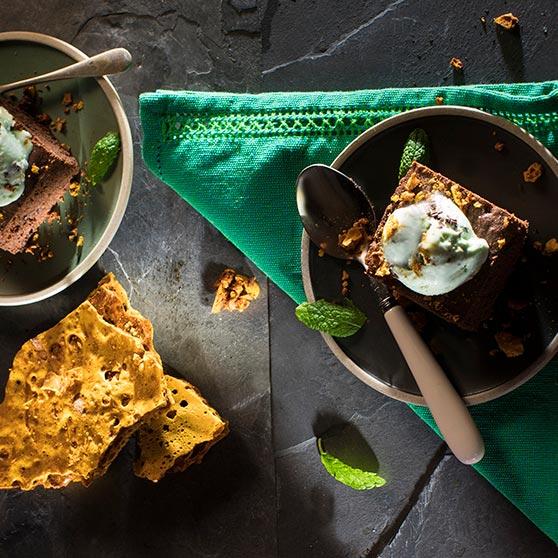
(329, 202)
(109, 62)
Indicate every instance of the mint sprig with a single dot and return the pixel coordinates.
(103, 157)
(417, 148)
(335, 319)
(350, 476)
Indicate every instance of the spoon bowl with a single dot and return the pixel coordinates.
(329, 202)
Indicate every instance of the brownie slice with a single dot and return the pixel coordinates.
(43, 189)
(471, 303)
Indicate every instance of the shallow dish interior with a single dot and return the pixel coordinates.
(462, 149)
(24, 274)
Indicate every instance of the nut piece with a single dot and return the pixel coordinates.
(456, 64)
(356, 238)
(550, 247)
(234, 292)
(439, 100)
(533, 172)
(507, 21)
(509, 344)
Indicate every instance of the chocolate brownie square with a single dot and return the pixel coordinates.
(54, 168)
(470, 304)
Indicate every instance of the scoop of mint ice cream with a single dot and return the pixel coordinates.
(431, 247)
(15, 147)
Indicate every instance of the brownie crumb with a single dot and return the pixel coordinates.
(507, 21)
(456, 64)
(67, 99)
(58, 125)
(344, 283)
(78, 106)
(550, 247)
(533, 172)
(43, 118)
(509, 344)
(74, 189)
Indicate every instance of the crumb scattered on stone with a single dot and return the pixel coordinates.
(533, 172)
(344, 283)
(509, 344)
(439, 100)
(499, 146)
(234, 292)
(78, 106)
(483, 20)
(74, 189)
(506, 21)
(58, 124)
(456, 64)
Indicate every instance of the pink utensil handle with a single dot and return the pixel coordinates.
(447, 407)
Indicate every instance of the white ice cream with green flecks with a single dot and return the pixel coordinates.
(15, 147)
(431, 247)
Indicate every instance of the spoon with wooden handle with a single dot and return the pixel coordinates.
(329, 202)
(111, 61)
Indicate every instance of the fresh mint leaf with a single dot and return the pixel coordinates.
(417, 148)
(350, 476)
(335, 319)
(102, 157)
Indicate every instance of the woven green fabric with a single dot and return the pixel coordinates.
(235, 157)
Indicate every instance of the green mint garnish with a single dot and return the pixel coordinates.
(350, 476)
(417, 148)
(102, 158)
(335, 319)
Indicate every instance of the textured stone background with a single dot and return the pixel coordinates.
(262, 492)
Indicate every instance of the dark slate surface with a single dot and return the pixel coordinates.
(242, 501)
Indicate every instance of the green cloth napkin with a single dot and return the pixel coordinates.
(235, 158)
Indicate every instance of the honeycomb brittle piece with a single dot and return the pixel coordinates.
(234, 292)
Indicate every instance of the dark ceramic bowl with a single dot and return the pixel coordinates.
(463, 149)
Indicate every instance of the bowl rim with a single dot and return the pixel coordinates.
(446, 110)
(125, 183)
